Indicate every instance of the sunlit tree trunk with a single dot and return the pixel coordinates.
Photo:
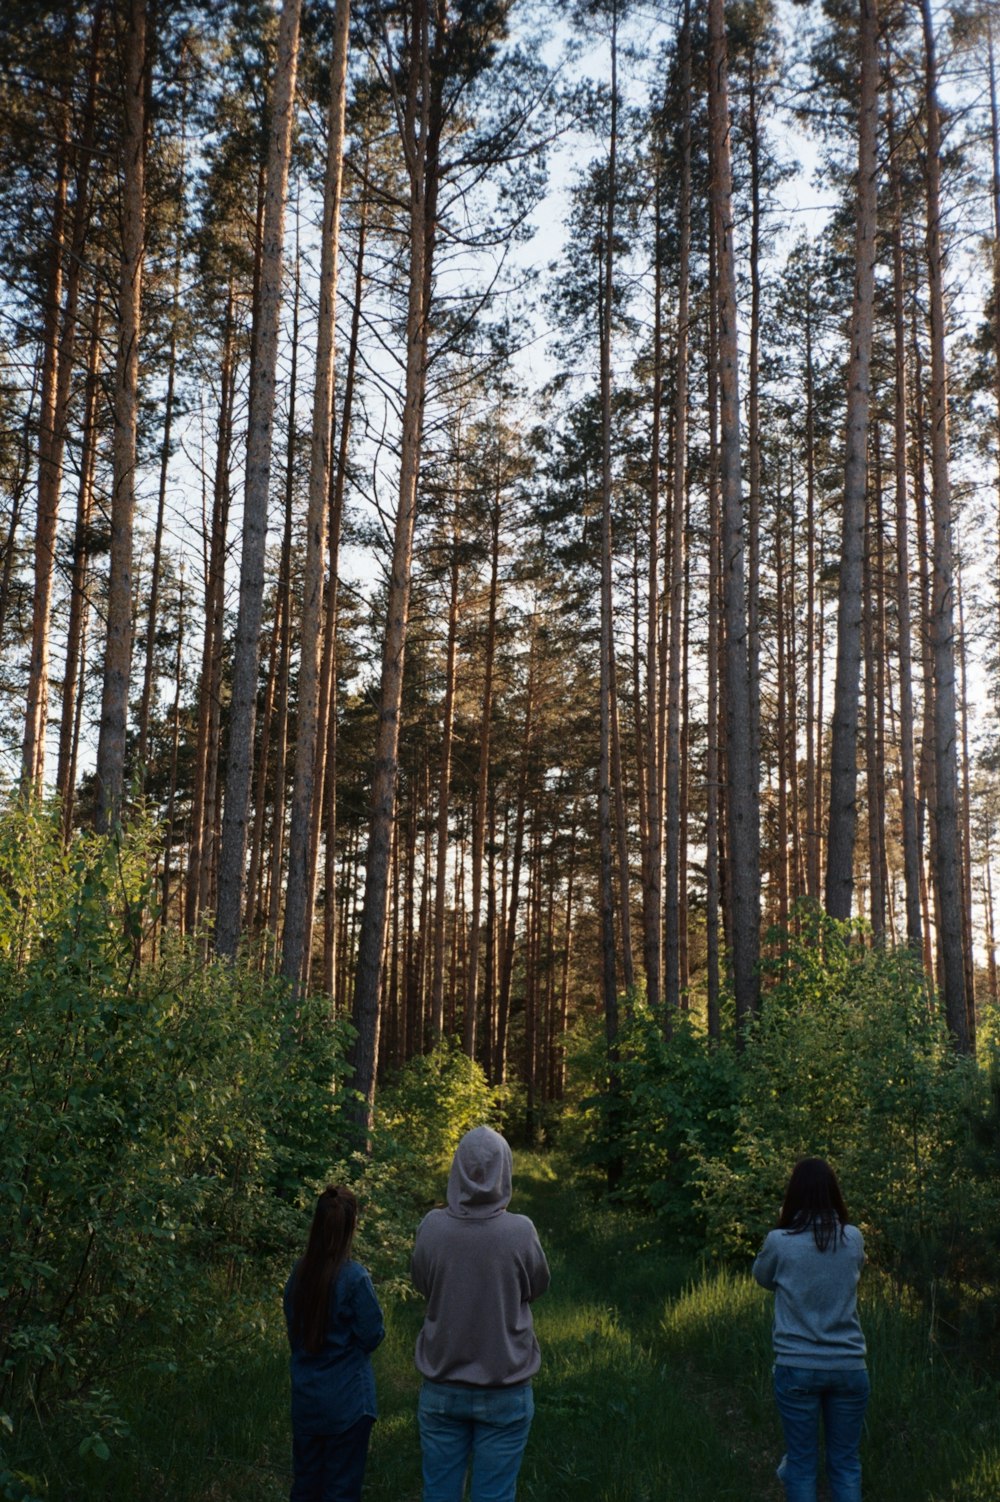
(49, 476)
(911, 831)
(78, 594)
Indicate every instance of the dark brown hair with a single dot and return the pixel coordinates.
(328, 1248)
(813, 1202)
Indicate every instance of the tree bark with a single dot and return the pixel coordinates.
(742, 797)
(243, 705)
(844, 731)
(911, 831)
(444, 792)
(118, 641)
(958, 1010)
(78, 596)
(413, 123)
(298, 897)
(606, 687)
(675, 570)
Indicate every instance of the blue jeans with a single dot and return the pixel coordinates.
(487, 1426)
(330, 1467)
(840, 1397)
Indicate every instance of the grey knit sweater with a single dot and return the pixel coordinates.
(479, 1267)
(815, 1297)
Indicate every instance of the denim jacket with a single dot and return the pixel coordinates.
(335, 1387)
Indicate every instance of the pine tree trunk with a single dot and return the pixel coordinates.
(712, 758)
(243, 704)
(371, 942)
(911, 831)
(995, 205)
(298, 897)
(211, 649)
(675, 567)
(327, 773)
(175, 741)
(844, 735)
(118, 639)
(278, 809)
(812, 798)
(652, 843)
(499, 1073)
(49, 476)
(606, 687)
(958, 1010)
(741, 771)
(78, 594)
(444, 793)
(482, 779)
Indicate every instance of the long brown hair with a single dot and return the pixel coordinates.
(813, 1202)
(328, 1248)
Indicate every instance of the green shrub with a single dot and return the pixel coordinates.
(674, 1106)
(848, 1060)
(435, 1099)
(161, 1121)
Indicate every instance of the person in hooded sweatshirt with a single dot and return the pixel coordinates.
(479, 1268)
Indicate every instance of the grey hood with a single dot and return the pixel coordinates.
(479, 1184)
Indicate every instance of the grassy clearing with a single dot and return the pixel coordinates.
(655, 1387)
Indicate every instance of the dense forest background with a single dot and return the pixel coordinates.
(499, 618)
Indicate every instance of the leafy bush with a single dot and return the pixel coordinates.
(435, 1099)
(849, 1060)
(674, 1106)
(161, 1121)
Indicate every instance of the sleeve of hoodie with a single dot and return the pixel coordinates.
(535, 1266)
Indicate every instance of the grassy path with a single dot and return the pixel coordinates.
(622, 1414)
(655, 1387)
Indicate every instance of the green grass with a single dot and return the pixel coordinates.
(655, 1387)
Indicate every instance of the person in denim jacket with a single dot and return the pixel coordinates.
(812, 1262)
(479, 1268)
(334, 1323)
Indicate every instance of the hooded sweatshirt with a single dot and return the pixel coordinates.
(479, 1268)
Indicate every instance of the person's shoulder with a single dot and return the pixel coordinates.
(517, 1226)
(433, 1223)
(356, 1271)
(853, 1236)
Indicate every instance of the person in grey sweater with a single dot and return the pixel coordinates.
(479, 1268)
(812, 1262)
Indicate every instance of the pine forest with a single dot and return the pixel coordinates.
(499, 622)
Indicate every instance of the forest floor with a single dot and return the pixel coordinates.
(655, 1387)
